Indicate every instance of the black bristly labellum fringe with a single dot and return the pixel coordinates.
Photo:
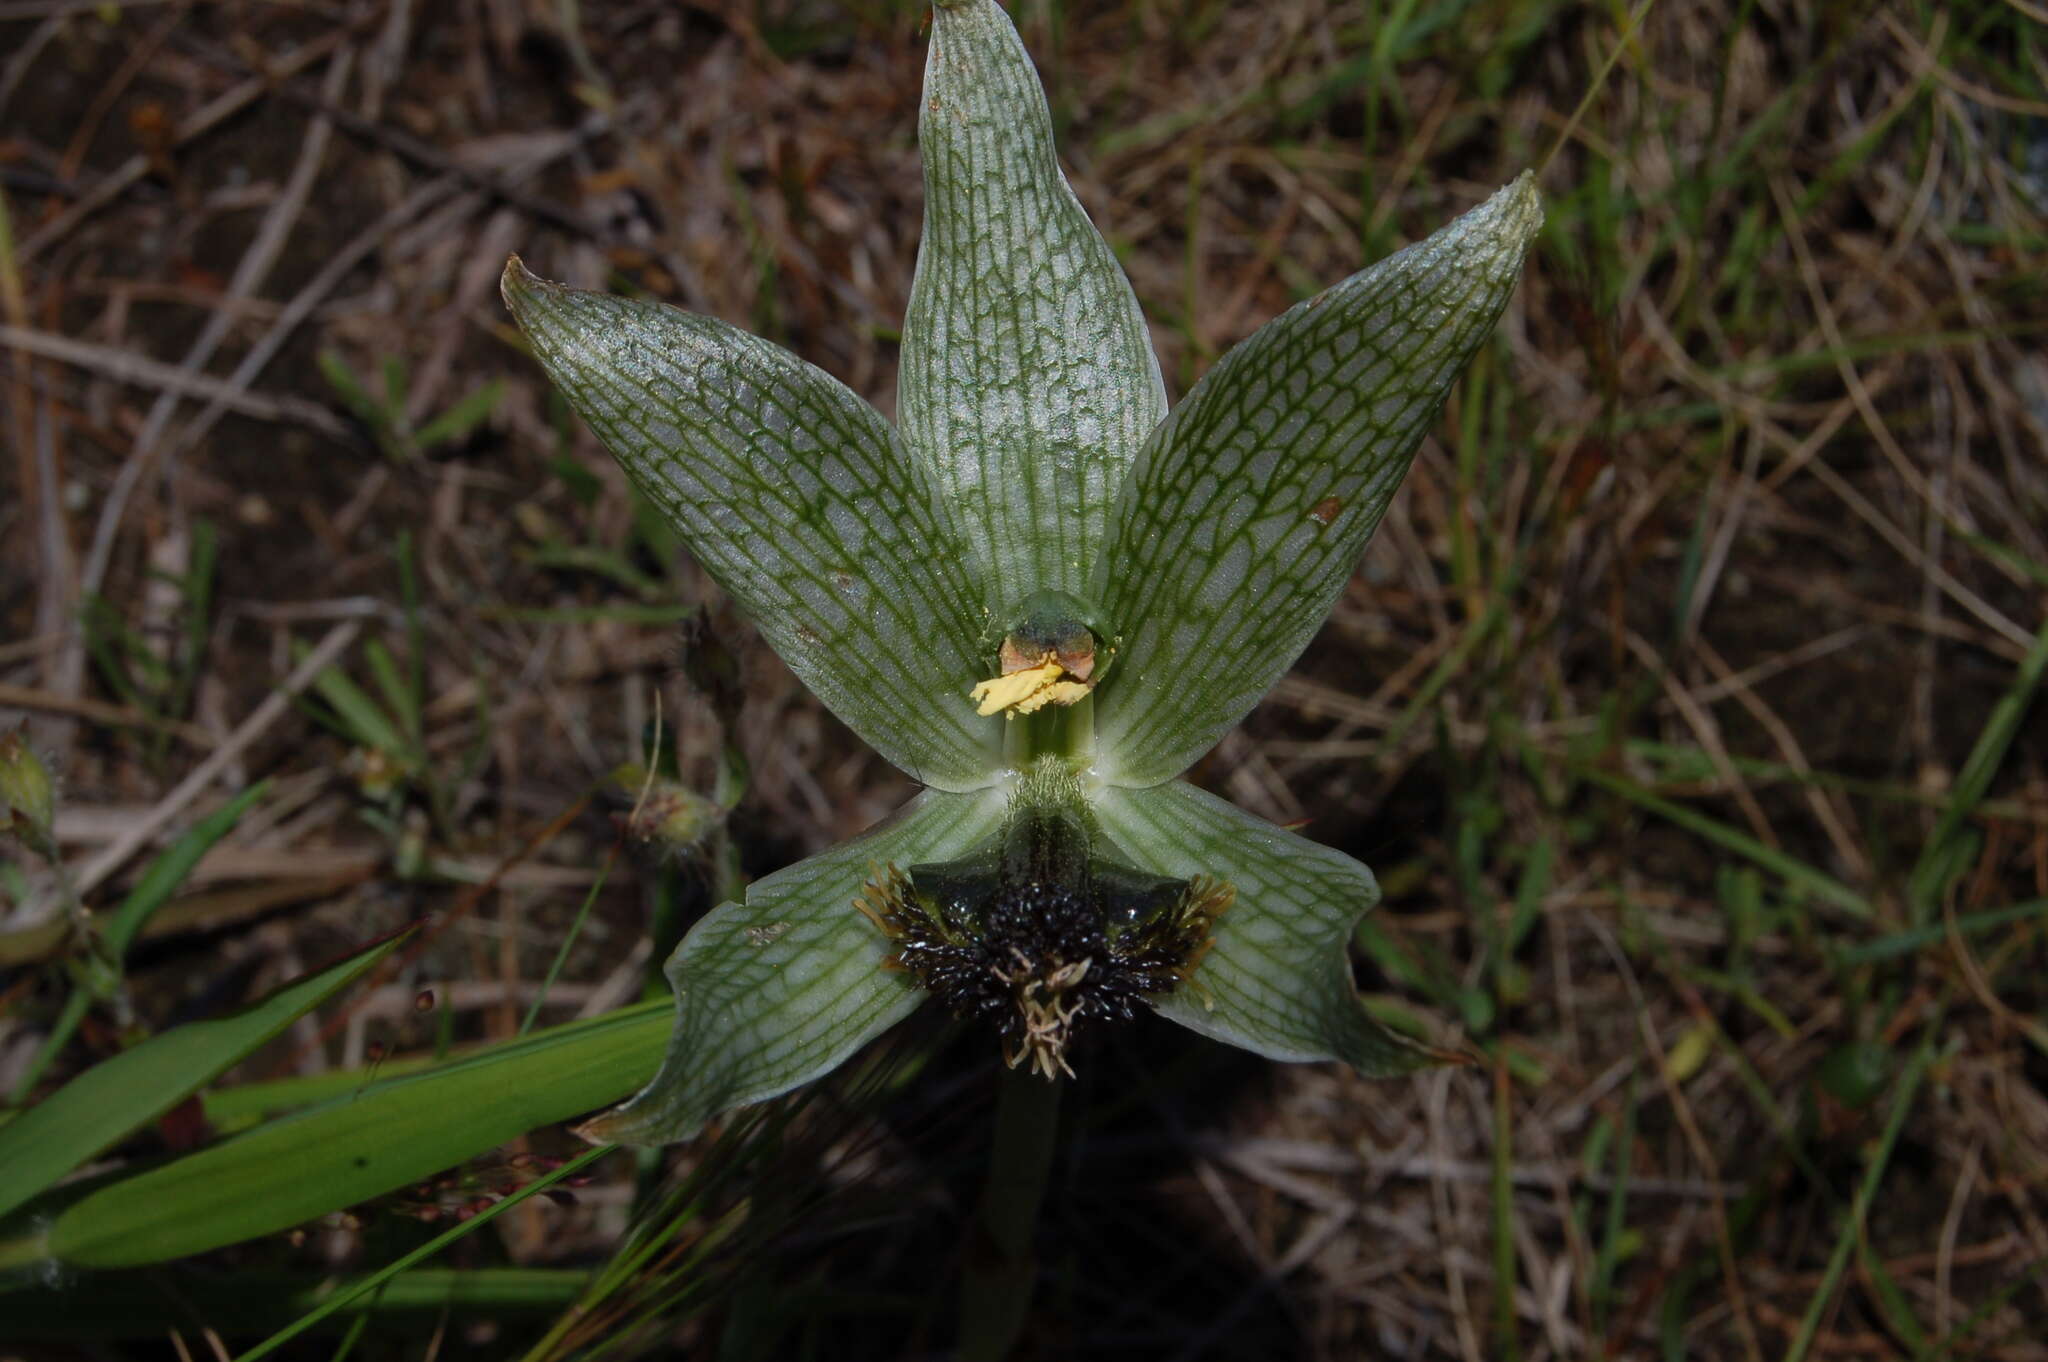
(1044, 930)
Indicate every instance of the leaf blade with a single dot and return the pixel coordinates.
(1250, 506)
(343, 1151)
(152, 890)
(1028, 379)
(119, 1095)
(1278, 976)
(775, 991)
(797, 498)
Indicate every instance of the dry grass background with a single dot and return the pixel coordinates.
(1654, 704)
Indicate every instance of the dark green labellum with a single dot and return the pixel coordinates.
(1042, 931)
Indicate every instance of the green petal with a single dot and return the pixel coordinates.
(778, 990)
(796, 497)
(1278, 980)
(1028, 381)
(1249, 508)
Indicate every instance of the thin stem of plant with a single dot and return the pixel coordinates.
(999, 1273)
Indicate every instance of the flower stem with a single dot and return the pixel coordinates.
(995, 1284)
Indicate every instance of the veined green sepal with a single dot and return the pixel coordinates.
(1278, 980)
(1249, 507)
(778, 989)
(1028, 381)
(798, 498)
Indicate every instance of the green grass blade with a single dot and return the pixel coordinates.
(110, 1100)
(139, 1305)
(355, 1291)
(169, 870)
(400, 698)
(349, 388)
(1793, 871)
(235, 1109)
(394, 389)
(1614, 1229)
(158, 883)
(1890, 1300)
(346, 1150)
(76, 1005)
(359, 718)
(1873, 1179)
(197, 587)
(1918, 938)
(454, 425)
(1930, 876)
(547, 983)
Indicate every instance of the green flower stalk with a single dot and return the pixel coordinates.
(1042, 596)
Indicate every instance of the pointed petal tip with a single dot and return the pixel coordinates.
(515, 282)
(1375, 1050)
(1525, 199)
(1406, 1055)
(519, 286)
(1511, 214)
(1027, 378)
(620, 1126)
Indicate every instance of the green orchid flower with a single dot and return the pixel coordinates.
(1042, 596)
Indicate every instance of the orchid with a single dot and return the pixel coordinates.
(1042, 596)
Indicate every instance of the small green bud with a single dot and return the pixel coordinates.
(377, 772)
(667, 812)
(26, 795)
